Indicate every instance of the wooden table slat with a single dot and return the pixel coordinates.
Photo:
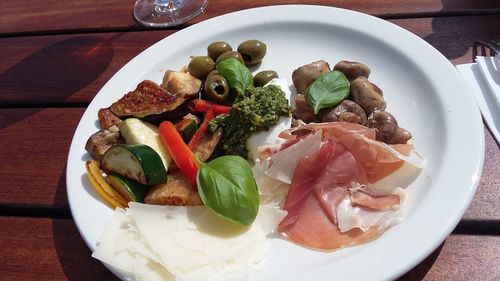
(80, 64)
(52, 249)
(46, 249)
(60, 16)
(66, 69)
(26, 131)
(35, 145)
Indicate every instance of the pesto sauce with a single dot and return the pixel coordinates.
(256, 110)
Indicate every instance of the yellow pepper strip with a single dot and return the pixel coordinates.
(107, 193)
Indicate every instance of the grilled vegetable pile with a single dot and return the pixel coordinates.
(155, 145)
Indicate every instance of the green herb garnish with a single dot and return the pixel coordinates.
(227, 187)
(327, 91)
(237, 75)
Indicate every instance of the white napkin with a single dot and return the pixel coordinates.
(483, 78)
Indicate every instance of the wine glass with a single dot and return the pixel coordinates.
(164, 13)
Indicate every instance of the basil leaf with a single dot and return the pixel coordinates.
(237, 75)
(328, 90)
(227, 187)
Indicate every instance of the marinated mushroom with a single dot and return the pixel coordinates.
(367, 95)
(352, 69)
(384, 123)
(350, 117)
(303, 111)
(100, 142)
(303, 76)
(401, 136)
(347, 111)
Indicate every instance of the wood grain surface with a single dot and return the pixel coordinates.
(95, 58)
(52, 16)
(26, 130)
(52, 249)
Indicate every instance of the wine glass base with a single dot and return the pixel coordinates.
(175, 13)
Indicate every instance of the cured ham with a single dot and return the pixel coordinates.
(378, 203)
(335, 199)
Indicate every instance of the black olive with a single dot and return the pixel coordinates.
(253, 51)
(216, 88)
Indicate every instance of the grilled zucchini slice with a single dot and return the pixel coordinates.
(135, 161)
(135, 131)
(130, 189)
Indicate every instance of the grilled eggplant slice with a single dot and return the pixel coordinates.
(107, 118)
(148, 101)
(208, 144)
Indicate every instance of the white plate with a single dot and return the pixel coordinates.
(421, 87)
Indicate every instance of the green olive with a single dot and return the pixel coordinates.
(213, 72)
(230, 54)
(216, 88)
(200, 66)
(215, 49)
(263, 77)
(253, 51)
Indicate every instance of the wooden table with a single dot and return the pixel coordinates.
(48, 76)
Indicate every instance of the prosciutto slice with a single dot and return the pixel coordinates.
(342, 171)
(377, 158)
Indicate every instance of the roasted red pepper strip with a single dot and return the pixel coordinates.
(181, 154)
(199, 105)
(209, 115)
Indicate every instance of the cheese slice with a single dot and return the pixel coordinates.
(271, 191)
(195, 244)
(121, 246)
(150, 242)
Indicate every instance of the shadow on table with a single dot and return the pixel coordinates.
(74, 255)
(53, 74)
(421, 270)
(442, 35)
(454, 38)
